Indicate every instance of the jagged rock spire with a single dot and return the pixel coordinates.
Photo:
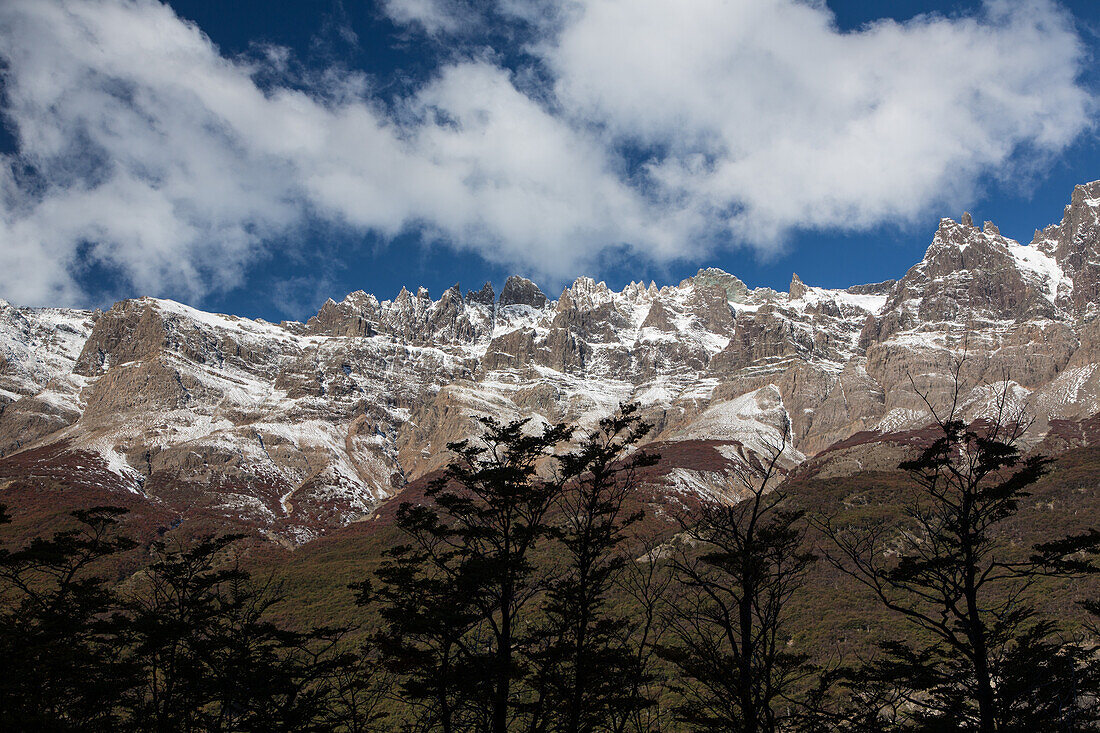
(797, 288)
(485, 296)
(521, 291)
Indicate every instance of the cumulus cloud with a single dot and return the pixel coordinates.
(771, 114)
(144, 150)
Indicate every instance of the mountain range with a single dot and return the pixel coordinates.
(295, 429)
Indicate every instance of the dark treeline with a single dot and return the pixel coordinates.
(183, 645)
(529, 595)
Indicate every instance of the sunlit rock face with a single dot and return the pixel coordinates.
(296, 428)
(1075, 245)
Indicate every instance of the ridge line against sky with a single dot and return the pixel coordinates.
(259, 163)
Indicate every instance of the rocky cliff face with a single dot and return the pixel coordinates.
(1075, 245)
(295, 428)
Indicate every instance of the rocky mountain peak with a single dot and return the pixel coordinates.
(585, 294)
(131, 330)
(797, 288)
(1074, 243)
(299, 428)
(418, 320)
(972, 275)
(452, 295)
(521, 291)
(485, 296)
(638, 290)
(735, 290)
(1071, 240)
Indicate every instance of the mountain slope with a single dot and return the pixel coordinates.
(294, 429)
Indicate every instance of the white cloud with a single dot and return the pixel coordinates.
(155, 155)
(771, 112)
(434, 16)
(150, 148)
(531, 188)
(178, 170)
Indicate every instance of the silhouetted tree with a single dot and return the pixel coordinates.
(210, 658)
(451, 599)
(61, 666)
(744, 558)
(646, 583)
(588, 673)
(428, 640)
(360, 688)
(980, 658)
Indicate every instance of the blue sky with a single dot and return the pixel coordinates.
(257, 157)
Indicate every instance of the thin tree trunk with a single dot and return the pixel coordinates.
(748, 697)
(445, 712)
(975, 630)
(504, 664)
(987, 709)
(579, 680)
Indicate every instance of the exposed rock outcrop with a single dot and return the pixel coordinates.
(302, 427)
(521, 291)
(1074, 244)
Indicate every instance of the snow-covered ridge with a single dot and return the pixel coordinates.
(306, 426)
